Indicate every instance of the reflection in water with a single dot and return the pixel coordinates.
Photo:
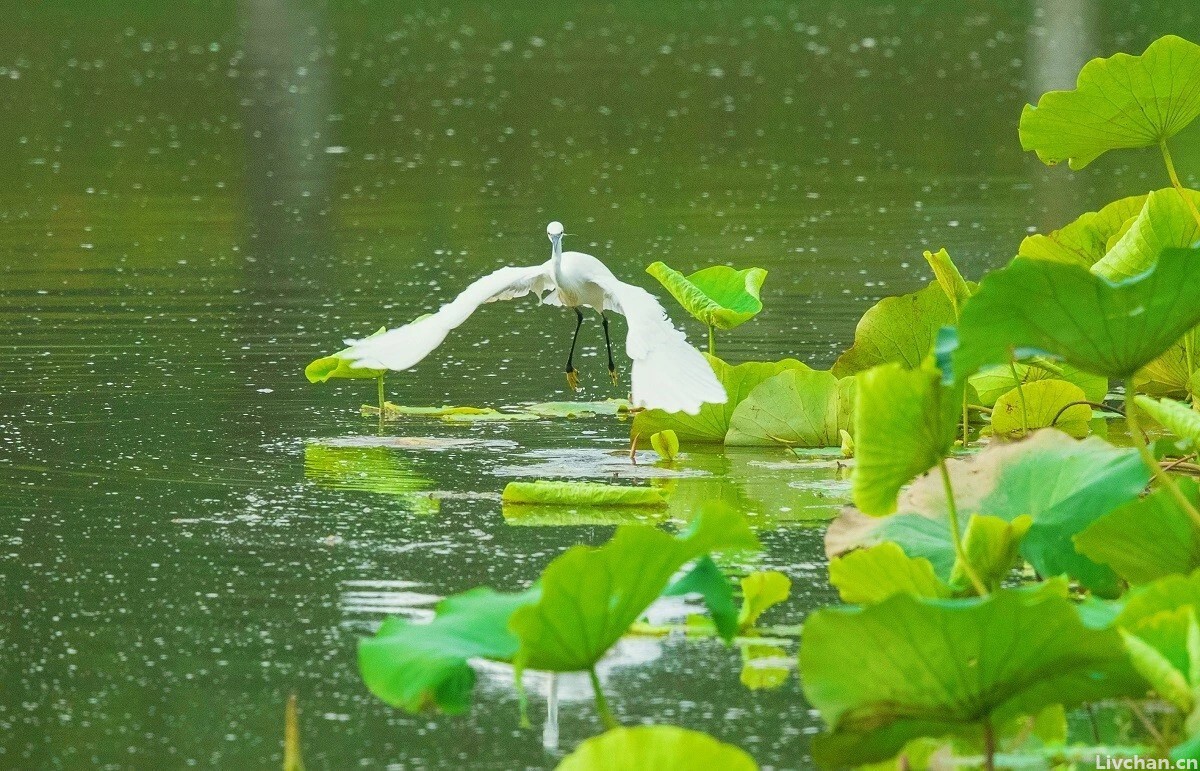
(370, 469)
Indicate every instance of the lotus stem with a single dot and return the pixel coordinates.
(989, 746)
(955, 534)
(966, 421)
(292, 760)
(379, 380)
(1166, 154)
(606, 715)
(1156, 469)
(712, 340)
(1093, 405)
(1012, 367)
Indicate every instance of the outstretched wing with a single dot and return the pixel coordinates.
(403, 347)
(668, 373)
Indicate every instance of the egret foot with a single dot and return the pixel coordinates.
(616, 376)
(573, 379)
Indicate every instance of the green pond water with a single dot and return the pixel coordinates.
(195, 201)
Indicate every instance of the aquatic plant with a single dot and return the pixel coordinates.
(720, 297)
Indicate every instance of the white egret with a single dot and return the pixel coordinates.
(668, 373)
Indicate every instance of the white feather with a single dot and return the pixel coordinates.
(668, 373)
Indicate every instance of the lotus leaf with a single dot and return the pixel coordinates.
(904, 424)
(711, 424)
(1164, 222)
(1147, 538)
(666, 444)
(1120, 102)
(797, 408)
(1176, 373)
(579, 409)
(707, 580)
(1178, 418)
(392, 411)
(335, 366)
(660, 747)
(590, 596)
(1035, 306)
(415, 666)
(761, 591)
(898, 329)
(957, 290)
(994, 382)
(719, 296)
(1085, 241)
(871, 575)
(581, 494)
(764, 667)
(951, 665)
(1044, 406)
(1062, 484)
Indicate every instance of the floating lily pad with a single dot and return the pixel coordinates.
(1147, 538)
(394, 411)
(898, 329)
(579, 409)
(719, 296)
(336, 366)
(1120, 102)
(489, 416)
(554, 515)
(1042, 404)
(1038, 307)
(432, 443)
(905, 422)
(1085, 241)
(796, 408)
(711, 424)
(663, 748)
(578, 618)
(581, 494)
(589, 462)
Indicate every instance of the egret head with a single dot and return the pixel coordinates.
(554, 230)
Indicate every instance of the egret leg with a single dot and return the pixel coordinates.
(612, 368)
(572, 373)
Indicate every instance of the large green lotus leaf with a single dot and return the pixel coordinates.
(797, 408)
(590, 596)
(905, 422)
(908, 556)
(871, 575)
(1036, 306)
(1042, 404)
(1062, 484)
(1119, 102)
(1085, 241)
(581, 494)
(719, 296)
(1177, 417)
(1160, 648)
(949, 278)
(1146, 539)
(898, 329)
(415, 666)
(1165, 222)
(335, 366)
(994, 382)
(707, 580)
(1166, 593)
(761, 591)
(950, 665)
(660, 747)
(711, 424)
(1172, 374)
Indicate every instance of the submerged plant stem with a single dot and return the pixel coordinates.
(606, 715)
(1166, 154)
(1156, 469)
(1012, 366)
(955, 534)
